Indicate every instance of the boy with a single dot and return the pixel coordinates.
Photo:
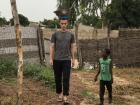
(106, 75)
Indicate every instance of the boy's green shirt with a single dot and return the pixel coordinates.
(105, 74)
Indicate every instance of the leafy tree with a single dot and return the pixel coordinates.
(82, 8)
(3, 21)
(51, 23)
(22, 19)
(124, 13)
(92, 20)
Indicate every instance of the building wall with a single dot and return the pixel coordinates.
(85, 32)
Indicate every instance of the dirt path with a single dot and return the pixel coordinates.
(83, 91)
(124, 92)
(75, 92)
(35, 93)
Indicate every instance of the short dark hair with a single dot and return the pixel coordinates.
(64, 18)
(107, 51)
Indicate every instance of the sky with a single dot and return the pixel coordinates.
(35, 10)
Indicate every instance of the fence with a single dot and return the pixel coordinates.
(125, 49)
(31, 39)
(124, 45)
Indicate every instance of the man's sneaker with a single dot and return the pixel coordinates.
(60, 98)
(65, 99)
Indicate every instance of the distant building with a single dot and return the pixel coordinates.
(33, 24)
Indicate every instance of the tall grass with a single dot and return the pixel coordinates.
(8, 69)
(40, 73)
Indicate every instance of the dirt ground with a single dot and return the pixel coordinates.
(84, 91)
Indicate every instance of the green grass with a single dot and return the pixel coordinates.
(7, 68)
(8, 81)
(40, 73)
(90, 97)
(8, 72)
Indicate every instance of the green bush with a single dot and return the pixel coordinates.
(32, 70)
(47, 76)
(7, 68)
(40, 73)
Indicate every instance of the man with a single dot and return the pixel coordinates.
(62, 51)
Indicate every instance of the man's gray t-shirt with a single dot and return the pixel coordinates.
(62, 45)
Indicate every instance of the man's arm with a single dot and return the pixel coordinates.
(73, 48)
(97, 73)
(51, 53)
(53, 40)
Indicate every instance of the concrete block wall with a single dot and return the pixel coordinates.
(29, 39)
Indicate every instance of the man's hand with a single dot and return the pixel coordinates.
(51, 62)
(73, 62)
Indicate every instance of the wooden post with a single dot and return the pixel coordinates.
(77, 44)
(76, 32)
(19, 53)
(108, 36)
(41, 45)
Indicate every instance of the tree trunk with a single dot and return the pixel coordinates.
(19, 53)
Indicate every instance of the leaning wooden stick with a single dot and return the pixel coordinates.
(19, 53)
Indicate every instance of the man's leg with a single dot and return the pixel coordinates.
(102, 91)
(66, 77)
(109, 88)
(58, 76)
